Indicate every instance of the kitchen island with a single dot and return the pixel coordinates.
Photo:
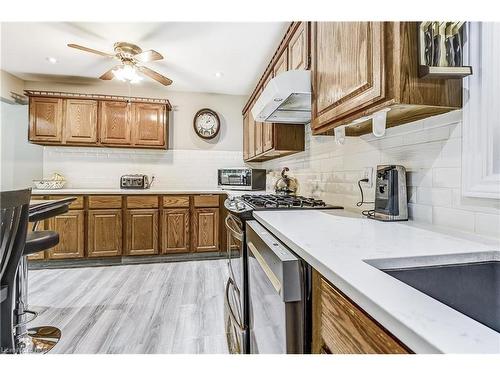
(345, 249)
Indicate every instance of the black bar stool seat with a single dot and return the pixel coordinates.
(40, 241)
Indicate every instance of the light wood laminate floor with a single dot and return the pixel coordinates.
(143, 308)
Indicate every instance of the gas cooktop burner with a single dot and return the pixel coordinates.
(283, 201)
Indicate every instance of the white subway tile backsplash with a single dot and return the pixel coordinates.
(430, 150)
(487, 224)
(450, 217)
(446, 177)
(434, 196)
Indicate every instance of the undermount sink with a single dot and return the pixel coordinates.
(470, 287)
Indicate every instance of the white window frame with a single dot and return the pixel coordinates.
(481, 111)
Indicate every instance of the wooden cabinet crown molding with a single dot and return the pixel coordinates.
(114, 98)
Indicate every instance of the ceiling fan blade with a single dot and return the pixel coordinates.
(82, 48)
(156, 76)
(148, 56)
(109, 74)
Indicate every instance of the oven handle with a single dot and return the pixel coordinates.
(265, 267)
(230, 221)
(232, 316)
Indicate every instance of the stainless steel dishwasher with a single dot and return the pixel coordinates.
(279, 295)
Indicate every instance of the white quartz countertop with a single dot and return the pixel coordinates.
(104, 191)
(338, 243)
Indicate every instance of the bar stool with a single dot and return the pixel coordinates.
(44, 338)
(14, 208)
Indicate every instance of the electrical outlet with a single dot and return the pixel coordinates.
(368, 173)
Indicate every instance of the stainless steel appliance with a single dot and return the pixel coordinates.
(279, 295)
(285, 185)
(242, 179)
(237, 301)
(390, 194)
(135, 181)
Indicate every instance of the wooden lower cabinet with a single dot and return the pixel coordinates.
(205, 225)
(104, 233)
(142, 232)
(341, 327)
(71, 229)
(175, 230)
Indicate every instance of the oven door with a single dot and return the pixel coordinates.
(236, 330)
(234, 249)
(235, 306)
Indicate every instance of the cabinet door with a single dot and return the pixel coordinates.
(281, 64)
(175, 231)
(45, 116)
(142, 232)
(267, 127)
(258, 138)
(104, 233)
(298, 53)
(80, 121)
(246, 129)
(251, 134)
(70, 227)
(348, 68)
(115, 122)
(206, 229)
(148, 125)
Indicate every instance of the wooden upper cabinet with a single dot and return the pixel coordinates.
(281, 64)
(175, 230)
(298, 51)
(148, 124)
(246, 130)
(142, 232)
(115, 122)
(105, 233)
(251, 135)
(45, 117)
(70, 227)
(258, 138)
(348, 68)
(80, 121)
(267, 127)
(205, 229)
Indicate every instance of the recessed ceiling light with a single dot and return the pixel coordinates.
(219, 74)
(51, 60)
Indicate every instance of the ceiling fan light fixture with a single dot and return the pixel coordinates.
(127, 73)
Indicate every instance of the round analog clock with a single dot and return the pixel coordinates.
(206, 123)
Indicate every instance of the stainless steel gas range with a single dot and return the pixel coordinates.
(268, 291)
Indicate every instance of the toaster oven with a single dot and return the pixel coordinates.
(242, 179)
(135, 181)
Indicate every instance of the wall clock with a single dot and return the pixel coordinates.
(206, 123)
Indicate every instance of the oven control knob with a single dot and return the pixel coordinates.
(240, 206)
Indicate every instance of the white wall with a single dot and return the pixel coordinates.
(190, 162)
(20, 161)
(431, 151)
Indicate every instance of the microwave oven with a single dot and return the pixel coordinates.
(242, 178)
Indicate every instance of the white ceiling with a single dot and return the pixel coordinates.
(193, 52)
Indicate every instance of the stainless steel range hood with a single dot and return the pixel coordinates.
(285, 99)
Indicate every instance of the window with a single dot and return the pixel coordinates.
(481, 112)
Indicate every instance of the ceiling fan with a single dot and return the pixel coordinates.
(130, 56)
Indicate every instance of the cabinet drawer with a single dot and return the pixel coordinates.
(346, 329)
(176, 201)
(76, 205)
(105, 201)
(150, 201)
(209, 200)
